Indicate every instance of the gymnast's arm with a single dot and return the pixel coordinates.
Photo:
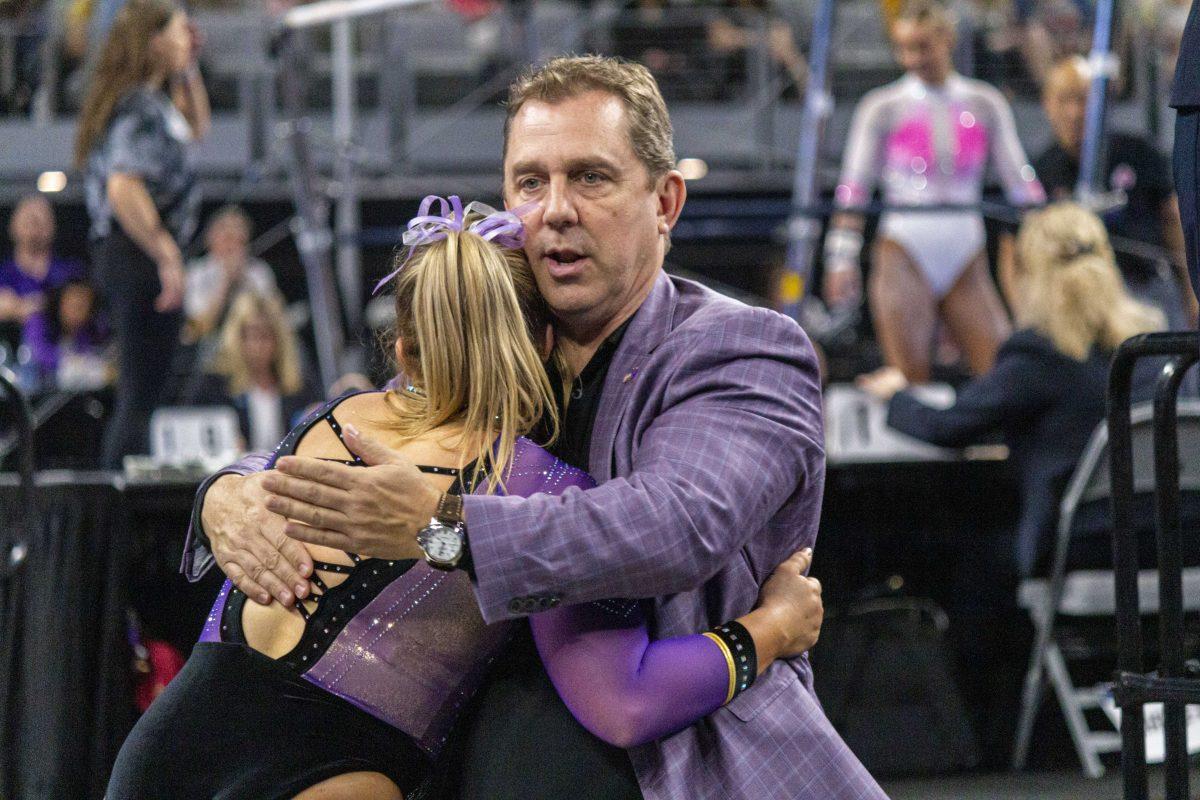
(628, 690)
(1021, 185)
(861, 163)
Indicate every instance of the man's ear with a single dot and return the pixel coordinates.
(672, 194)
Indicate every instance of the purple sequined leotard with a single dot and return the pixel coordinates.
(410, 648)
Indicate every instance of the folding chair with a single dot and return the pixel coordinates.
(1091, 593)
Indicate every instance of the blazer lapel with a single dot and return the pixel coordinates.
(650, 325)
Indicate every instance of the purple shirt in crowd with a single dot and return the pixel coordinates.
(23, 284)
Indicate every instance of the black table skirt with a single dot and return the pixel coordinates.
(66, 692)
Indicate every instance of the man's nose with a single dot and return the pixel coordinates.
(559, 209)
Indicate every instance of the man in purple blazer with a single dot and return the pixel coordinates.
(700, 418)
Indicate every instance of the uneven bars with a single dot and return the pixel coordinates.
(328, 11)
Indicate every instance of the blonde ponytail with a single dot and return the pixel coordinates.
(1068, 285)
(470, 318)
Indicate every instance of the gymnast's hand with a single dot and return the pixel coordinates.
(248, 541)
(787, 621)
(374, 512)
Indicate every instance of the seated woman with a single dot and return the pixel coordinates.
(67, 340)
(257, 372)
(1046, 392)
(352, 693)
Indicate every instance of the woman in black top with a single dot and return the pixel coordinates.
(145, 108)
(1046, 391)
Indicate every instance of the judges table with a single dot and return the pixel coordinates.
(98, 545)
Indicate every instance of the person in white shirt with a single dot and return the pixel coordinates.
(228, 269)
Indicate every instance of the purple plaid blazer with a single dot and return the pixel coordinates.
(709, 451)
(708, 446)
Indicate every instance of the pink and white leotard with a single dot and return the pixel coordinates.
(929, 145)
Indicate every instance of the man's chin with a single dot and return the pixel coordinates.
(571, 301)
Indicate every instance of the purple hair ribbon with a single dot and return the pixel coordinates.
(503, 228)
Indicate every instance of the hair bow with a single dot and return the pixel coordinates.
(504, 228)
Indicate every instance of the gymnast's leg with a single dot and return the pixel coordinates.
(975, 316)
(903, 310)
(353, 786)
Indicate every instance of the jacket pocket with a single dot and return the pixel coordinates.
(769, 686)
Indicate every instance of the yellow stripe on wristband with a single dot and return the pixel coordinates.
(729, 662)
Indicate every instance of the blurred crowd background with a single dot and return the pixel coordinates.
(427, 85)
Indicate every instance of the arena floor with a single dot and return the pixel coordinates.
(1025, 786)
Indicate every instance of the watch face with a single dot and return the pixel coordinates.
(441, 543)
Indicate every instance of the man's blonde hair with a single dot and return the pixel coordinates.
(1067, 283)
(560, 79)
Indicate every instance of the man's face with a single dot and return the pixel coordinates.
(33, 224)
(1065, 104)
(228, 240)
(924, 49)
(598, 237)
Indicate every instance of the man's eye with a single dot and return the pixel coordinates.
(591, 178)
(529, 184)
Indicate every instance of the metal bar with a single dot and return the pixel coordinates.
(1125, 546)
(760, 80)
(346, 213)
(1136, 688)
(398, 90)
(328, 11)
(803, 231)
(1170, 567)
(310, 226)
(1103, 66)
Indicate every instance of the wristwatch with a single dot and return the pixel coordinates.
(443, 540)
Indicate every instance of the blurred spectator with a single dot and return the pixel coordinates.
(257, 372)
(228, 269)
(1052, 29)
(1047, 390)
(1138, 175)
(1166, 19)
(33, 269)
(145, 108)
(739, 30)
(68, 341)
(671, 40)
(28, 20)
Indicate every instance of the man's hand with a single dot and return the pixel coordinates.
(374, 511)
(249, 543)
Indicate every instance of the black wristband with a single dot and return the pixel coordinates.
(740, 644)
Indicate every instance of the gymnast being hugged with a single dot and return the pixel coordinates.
(352, 692)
